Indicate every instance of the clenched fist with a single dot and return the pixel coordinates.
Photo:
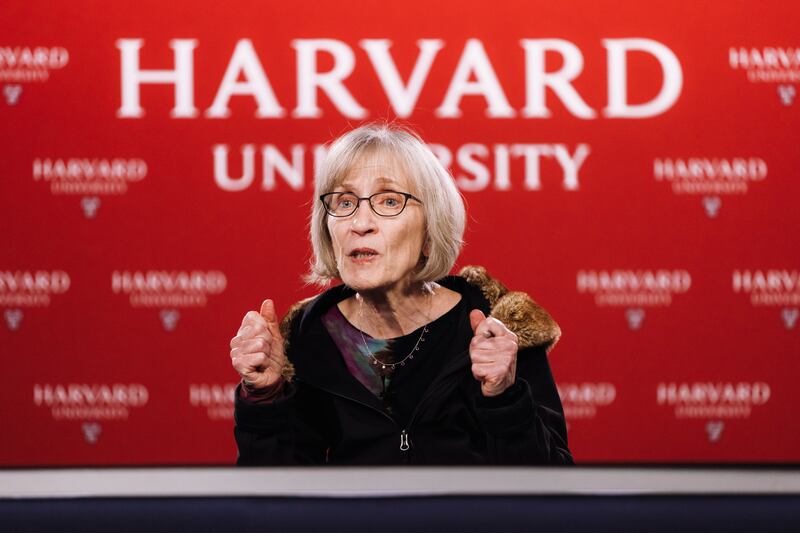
(257, 349)
(493, 351)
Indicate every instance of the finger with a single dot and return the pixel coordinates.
(483, 372)
(476, 316)
(257, 344)
(259, 359)
(491, 327)
(253, 330)
(244, 333)
(491, 371)
(478, 372)
(250, 332)
(489, 389)
(261, 343)
(504, 344)
(252, 318)
(236, 341)
(248, 363)
(480, 356)
(256, 362)
(271, 318)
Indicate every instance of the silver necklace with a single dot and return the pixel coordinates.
(375, 360)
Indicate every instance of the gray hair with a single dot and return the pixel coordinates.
(445, 216)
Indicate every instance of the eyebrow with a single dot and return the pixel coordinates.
(346, 184)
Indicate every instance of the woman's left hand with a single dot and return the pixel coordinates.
(493, 351)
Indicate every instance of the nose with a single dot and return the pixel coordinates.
(363, 220)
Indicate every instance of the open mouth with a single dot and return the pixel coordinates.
(362, 254)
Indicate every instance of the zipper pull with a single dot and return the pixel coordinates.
(404, 441)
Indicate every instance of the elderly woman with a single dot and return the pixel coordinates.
(401, 363)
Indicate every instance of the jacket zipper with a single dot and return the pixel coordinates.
(404, 442)
(404, 435)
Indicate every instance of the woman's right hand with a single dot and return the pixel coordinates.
(257, 349)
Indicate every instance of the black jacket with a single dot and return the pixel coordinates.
(325, 416)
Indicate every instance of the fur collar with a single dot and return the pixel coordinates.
(532, 324)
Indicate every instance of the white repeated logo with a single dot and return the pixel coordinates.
(27, 288)
(634, 317)
(713, 400)
(88, 177)
(710, 177)
(633, 289)
(771, 288)
(168, 290)
(169, 318)
(714, 430)
(23, 64)
(789, 316)
(91, 432)
(787, 94)
(12, 92)
(712, 204)
(82, 401)
(90, 204)
(13, 318)
(581, 400)
(217, 399)
(768, 287)
(767, 64)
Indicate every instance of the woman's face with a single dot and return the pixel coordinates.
(394, 244)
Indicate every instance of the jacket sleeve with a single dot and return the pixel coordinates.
(286, 431)
(290, 430)
(525, 424)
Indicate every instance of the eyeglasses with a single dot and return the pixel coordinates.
(385, 204)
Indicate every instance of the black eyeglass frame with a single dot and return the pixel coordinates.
(407, 196)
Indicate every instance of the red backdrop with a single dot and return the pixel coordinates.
(633, 166)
